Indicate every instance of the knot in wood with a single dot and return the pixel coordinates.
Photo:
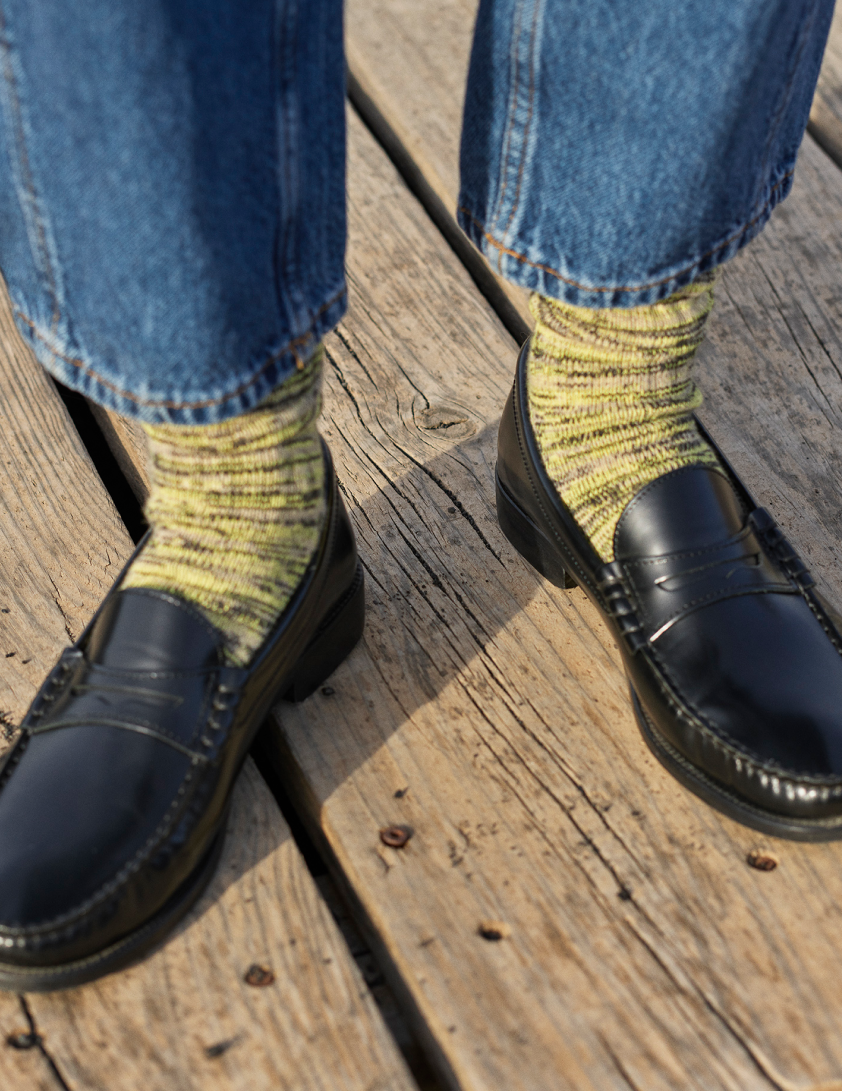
(446, 418)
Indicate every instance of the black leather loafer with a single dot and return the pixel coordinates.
(114, 799)
(734, 659)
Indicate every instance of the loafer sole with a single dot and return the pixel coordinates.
(729, 803)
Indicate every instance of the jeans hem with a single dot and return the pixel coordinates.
(541, 277)
(274, 368)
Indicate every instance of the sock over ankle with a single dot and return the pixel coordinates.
(236, 511)
(611, 400)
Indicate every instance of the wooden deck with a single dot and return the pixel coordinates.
(484, 709)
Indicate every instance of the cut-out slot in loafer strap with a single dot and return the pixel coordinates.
(665, 589)
(123, 725)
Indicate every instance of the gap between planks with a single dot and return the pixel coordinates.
(825, 123)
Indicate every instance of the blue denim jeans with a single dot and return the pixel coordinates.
(172, 194)
(172, 221)
(612, 150)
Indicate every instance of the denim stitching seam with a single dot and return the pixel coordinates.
(622, 288)
(291, 347)
(510, 124)
(528, 124)
(26, 176)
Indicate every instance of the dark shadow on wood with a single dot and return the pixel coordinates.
(105, 463)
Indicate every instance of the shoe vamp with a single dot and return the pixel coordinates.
(80, 805)
(762, 672)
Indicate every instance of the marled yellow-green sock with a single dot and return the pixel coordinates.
(611, 400)
(236, 511)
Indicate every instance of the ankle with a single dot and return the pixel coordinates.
(236, 510)
(612, 400)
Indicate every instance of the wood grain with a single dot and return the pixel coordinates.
(772, 367)
(413, 59)
(25, 1064)
(186, 1018)
(643, 952)
(488, 711)
(127, 443)
(183, 1018)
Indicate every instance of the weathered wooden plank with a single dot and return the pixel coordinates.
(643, 951)
(411, 61)
(185, 1017)
(772, 367)
(24, 1061)
(826, 110)
(488, 711)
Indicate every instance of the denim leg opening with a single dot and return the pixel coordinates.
(538, 277)
(270, 372)
(612, 154)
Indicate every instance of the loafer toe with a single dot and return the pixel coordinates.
(76, 821)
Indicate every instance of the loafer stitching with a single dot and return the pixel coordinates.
(719, 596)
(820, 616)
(148, 730)
(742, 762)
(688, 554)
(75, 918)
(13, 756)
(153, 843)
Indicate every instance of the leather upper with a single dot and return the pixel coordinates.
(734, 657)
(118, 784)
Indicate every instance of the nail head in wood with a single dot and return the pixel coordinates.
(395, 836)
(493, 930)
(761, 860)
(259, 976)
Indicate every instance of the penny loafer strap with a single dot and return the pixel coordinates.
(646, 596)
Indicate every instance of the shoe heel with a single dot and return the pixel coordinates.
(333, 642)
(529, 541)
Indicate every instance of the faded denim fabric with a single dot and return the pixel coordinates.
(172, 174)
(612, 150)
(172, 194)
